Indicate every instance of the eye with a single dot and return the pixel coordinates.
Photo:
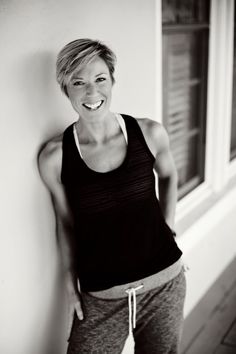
(78, 83)
(100, 79)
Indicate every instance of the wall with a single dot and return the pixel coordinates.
(32, 110)
(32, 302)
(208, 244)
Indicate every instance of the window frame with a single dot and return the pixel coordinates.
(219, 170)
(194, 28)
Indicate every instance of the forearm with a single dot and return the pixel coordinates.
(168, 198)
(65, 238)
(65, 241)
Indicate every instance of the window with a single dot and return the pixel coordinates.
(185, 25)
(233, 123)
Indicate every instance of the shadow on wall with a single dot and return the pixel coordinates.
(42, 104)
(54, 339)
(42, 95)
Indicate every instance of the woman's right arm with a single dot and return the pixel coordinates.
(50, 170)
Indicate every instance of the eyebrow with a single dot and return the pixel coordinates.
(81, 78)
(101, 74)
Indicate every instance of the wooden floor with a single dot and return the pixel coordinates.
(211, 326)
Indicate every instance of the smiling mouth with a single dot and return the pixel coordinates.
(93, 106)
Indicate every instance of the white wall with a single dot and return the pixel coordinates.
(32, 110)
(209, 245)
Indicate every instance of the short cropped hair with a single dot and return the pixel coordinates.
(79, 53)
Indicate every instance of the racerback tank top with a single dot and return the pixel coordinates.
(120, 233)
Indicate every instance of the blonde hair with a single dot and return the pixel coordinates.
(78, 53)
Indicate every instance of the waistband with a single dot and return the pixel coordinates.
(145, 284)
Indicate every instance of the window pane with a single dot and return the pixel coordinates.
(169, 13)
(184, 98)
(182, 80)
(184, 11)
(186, 160)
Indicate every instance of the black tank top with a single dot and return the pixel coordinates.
(120, 232)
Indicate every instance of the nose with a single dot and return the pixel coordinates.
(90, 89)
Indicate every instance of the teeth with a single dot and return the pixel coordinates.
(94, 105)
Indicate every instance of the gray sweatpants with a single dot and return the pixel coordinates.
(105, 327)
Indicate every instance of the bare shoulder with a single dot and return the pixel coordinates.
(155, 135)
(49, 160)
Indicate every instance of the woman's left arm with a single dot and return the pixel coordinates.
(158, 142)
(167, 177)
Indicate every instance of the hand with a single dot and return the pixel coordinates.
(74, 305)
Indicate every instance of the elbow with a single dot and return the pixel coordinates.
(170, 179)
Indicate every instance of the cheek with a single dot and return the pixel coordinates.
(108, 91)
(75, 102)
(74, 96)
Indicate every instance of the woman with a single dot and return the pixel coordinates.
(124, 269)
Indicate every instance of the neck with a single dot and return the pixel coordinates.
(97, 132)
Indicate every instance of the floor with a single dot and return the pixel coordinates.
(211, 326)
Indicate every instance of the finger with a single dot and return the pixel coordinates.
(70, 321)
(79, 311)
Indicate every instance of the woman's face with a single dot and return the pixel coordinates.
(90, 89)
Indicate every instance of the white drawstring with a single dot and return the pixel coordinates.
(132, 293)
